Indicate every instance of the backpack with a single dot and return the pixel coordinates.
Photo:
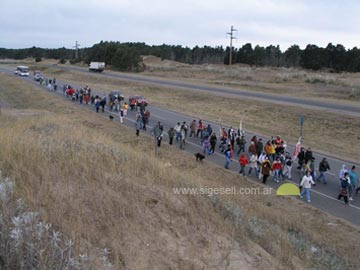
(288, 162)
(344, 183)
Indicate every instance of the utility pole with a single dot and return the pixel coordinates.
(76, 49)
(231, 39)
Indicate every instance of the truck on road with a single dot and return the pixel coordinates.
(97, 66)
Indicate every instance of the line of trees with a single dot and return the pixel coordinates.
(127, 56)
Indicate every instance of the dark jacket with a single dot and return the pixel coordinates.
(324, 166)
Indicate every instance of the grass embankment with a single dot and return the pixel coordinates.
(104, 188)
(323, 131)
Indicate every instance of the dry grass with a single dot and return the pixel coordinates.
(323, 131)
(288, 81)
(97, 184)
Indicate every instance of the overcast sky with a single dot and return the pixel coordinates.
(55, 23)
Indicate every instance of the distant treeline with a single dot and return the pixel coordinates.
(127, 56)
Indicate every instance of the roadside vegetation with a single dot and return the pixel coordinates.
(103, 188)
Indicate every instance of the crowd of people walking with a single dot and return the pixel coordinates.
(264, 160)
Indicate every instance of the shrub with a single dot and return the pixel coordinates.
(27, 242)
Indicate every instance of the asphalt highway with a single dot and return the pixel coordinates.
(323, 196)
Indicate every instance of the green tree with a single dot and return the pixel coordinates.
(126, 59)
(293, 56)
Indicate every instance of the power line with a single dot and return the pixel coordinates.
(231, 39)
(77, 45)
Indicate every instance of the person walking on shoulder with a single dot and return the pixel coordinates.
(121, 116)
(306, 183)
(265, 169)
(354, 182)
(213, 140)
(345, 184)
(171, 134)
(138, 125)
(227, 158)
(243, 161)
(323, 167)
(253, 165)
(276, 167)
(192, 128)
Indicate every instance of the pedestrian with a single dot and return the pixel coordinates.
(243, 161)
(206, 145)
(276, 167)
(342, 172)
(145, 118)
(240, 141)
(311, 166)
(171, 134)
(81, 96)
(308, 155)
(265, 169)
(209, 130)
(252, 148)
(182, 138)
(260, 160)
(301, 158)
(157, 132)
(86, 98)
(138, 126)
(125, 108)
(354, 182)
(200, 128)
(270, 150)
(213, 140)
(97, 103)
(177, 129)
(288, 165)
(227, 158)
(253, 165)
(121, 116)
(344, 192)
(259, 147)
(103, 103)
(192, 128)
(323, 167)
(306, 183)
(186, 128)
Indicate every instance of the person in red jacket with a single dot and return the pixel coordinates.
(243, 161)
(276, 167)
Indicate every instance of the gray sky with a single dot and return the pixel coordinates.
(55, 23)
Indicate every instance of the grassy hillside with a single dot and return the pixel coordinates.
(98, 184)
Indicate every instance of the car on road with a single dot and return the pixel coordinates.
(38, 77)
(137, 100)
(22, 71)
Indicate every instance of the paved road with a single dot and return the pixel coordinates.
(323, 196)
(273, 98)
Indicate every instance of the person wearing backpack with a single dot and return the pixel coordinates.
(306, 183)
(344, 192)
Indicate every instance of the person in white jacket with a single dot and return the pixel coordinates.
(253, 165)
(306, 183)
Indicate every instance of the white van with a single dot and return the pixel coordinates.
(22, 71)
